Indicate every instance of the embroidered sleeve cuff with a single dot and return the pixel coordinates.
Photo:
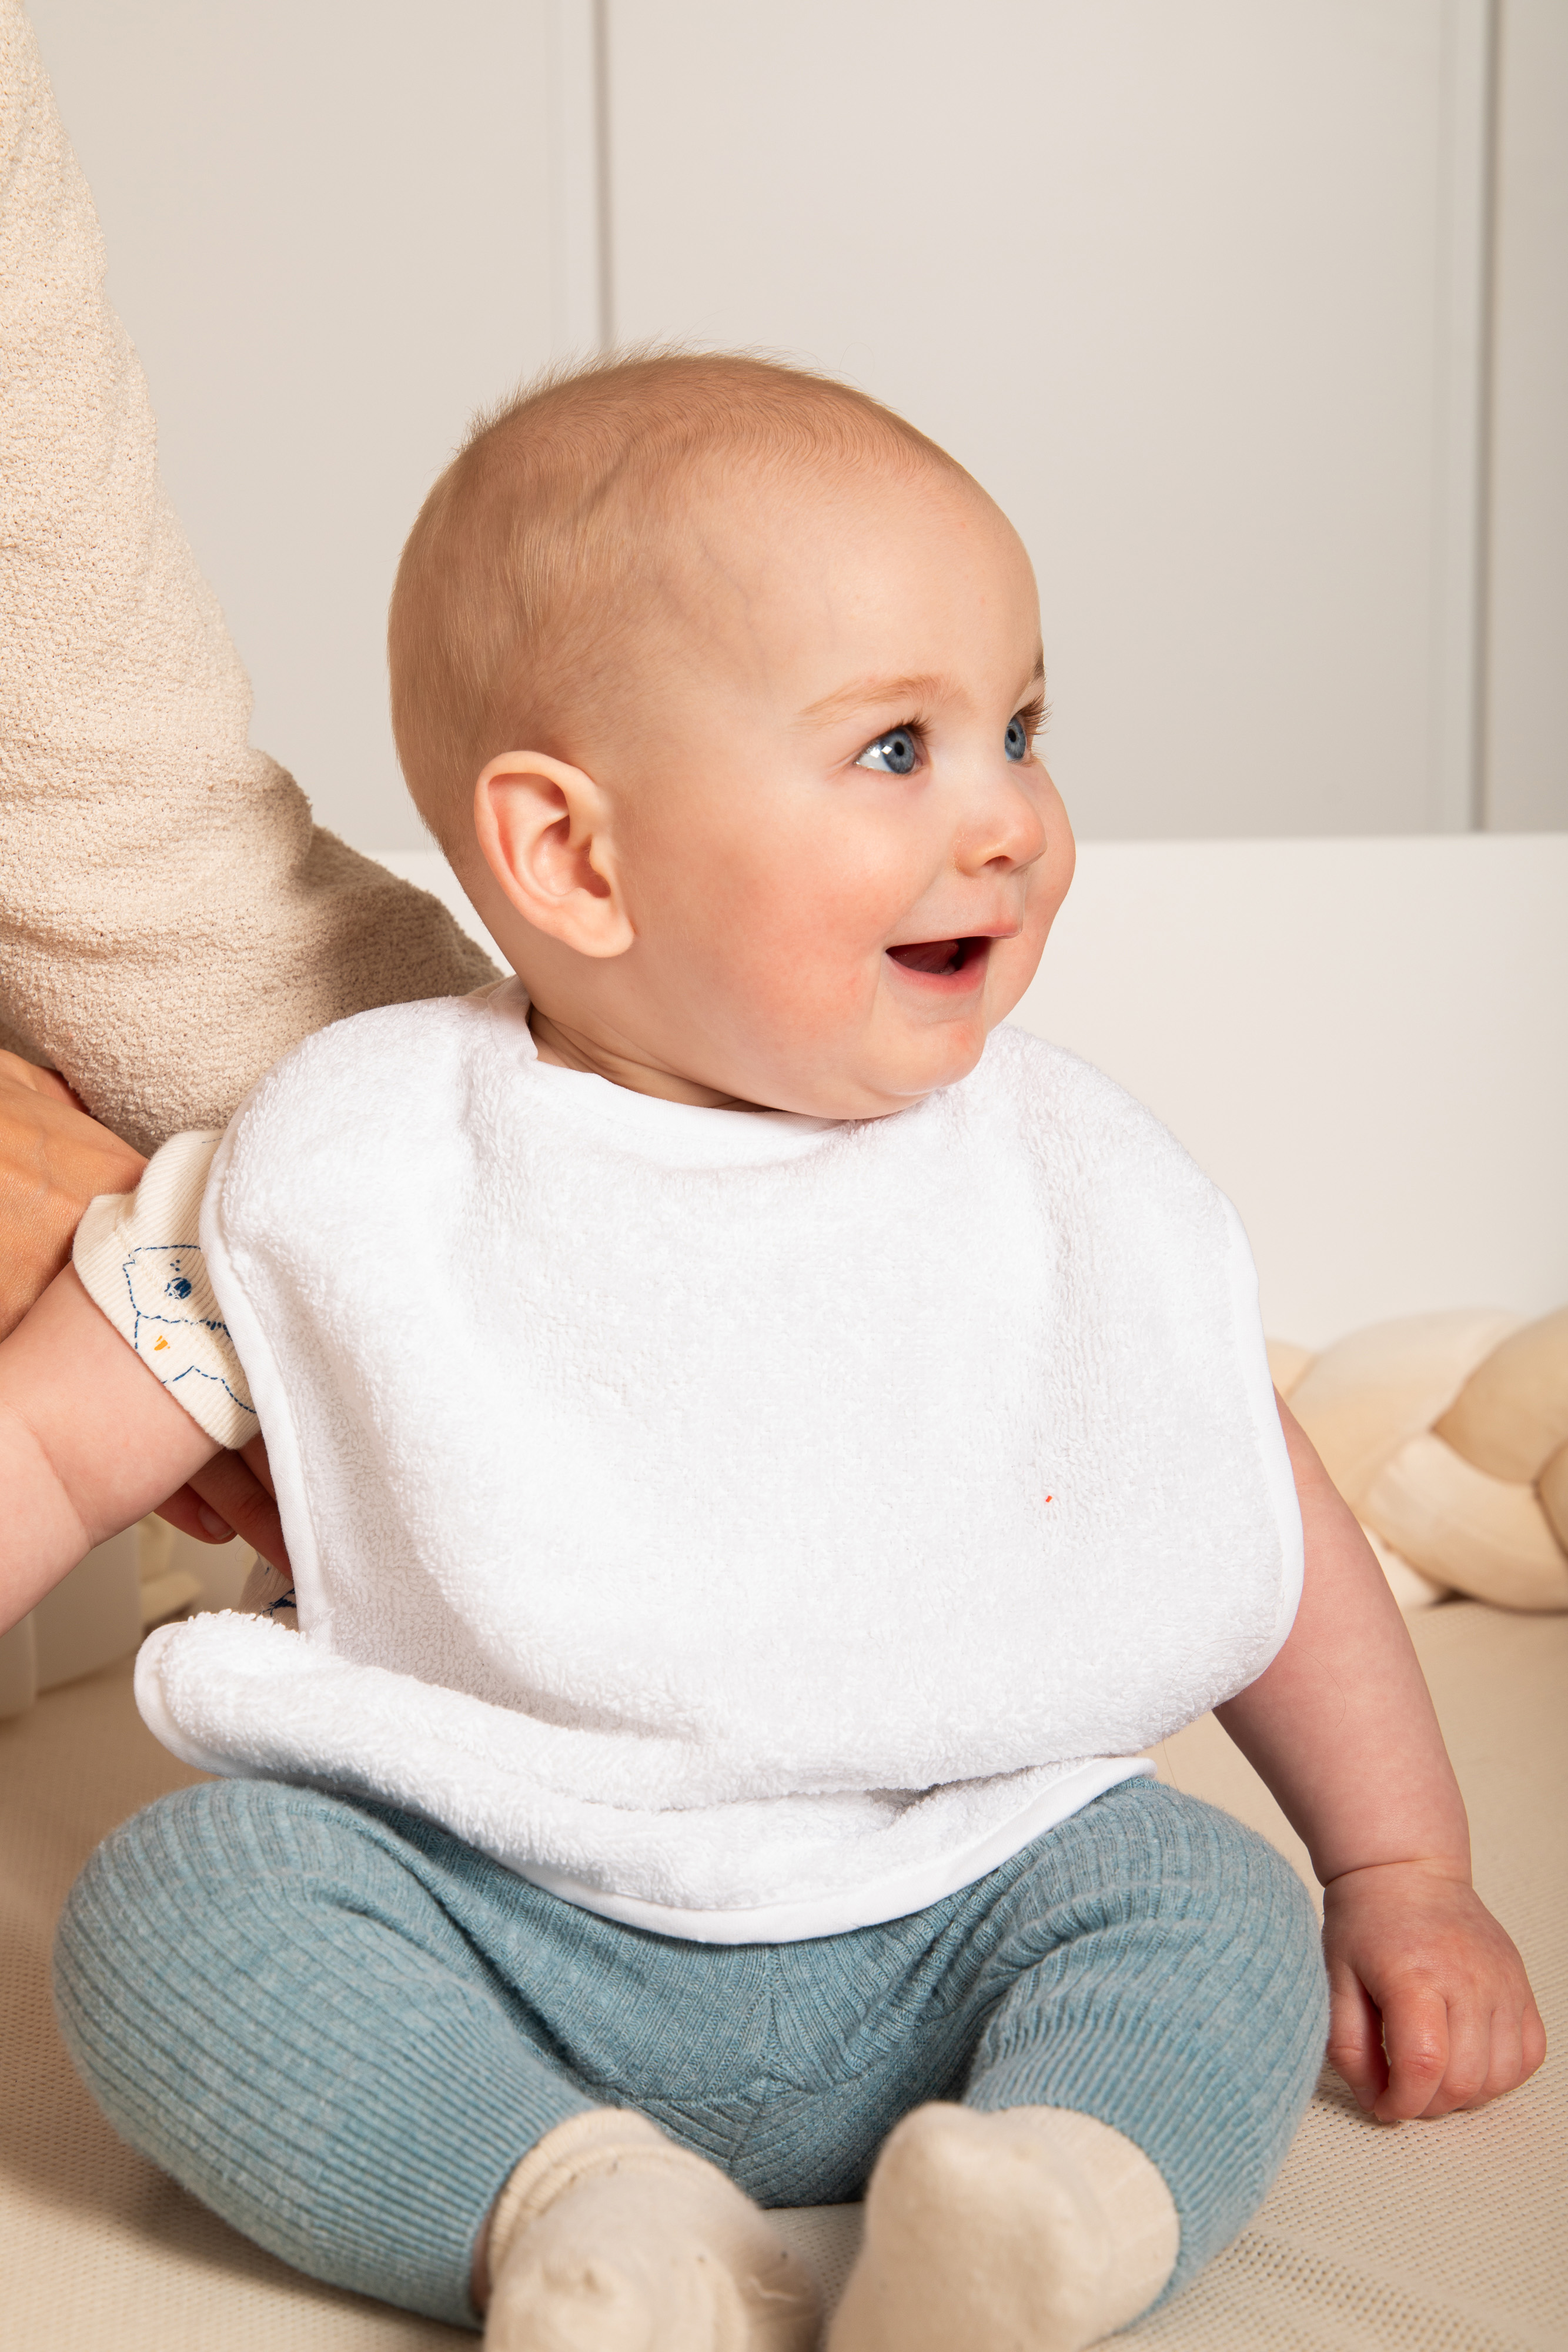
(139, 1260)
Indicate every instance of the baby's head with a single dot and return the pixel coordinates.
(717, 683)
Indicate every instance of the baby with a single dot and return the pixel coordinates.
(763, 1450)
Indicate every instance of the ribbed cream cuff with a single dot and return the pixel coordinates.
(140, 1261)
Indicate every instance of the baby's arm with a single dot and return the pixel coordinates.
(1431, 2009)
(90, 1440)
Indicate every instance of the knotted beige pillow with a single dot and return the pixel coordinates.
(1448, 1435)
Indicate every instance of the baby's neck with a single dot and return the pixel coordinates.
(574, 1049)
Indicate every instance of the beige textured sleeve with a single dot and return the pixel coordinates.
(171, 921)
(139, 1261)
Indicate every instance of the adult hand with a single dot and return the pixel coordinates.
(54, 1159)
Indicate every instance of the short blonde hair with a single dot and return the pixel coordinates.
(542, 543)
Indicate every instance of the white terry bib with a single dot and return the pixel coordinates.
(746, 1526)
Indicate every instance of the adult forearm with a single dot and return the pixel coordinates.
(171, 920)
(1341, 1726)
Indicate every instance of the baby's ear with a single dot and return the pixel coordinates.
(543, 830)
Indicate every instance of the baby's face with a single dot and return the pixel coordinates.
(840, 851)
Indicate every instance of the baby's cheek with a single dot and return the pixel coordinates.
(832, 925)
(804, 981)
(791, 929)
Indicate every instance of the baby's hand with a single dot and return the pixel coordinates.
(1430, 2007)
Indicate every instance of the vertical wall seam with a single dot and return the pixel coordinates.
(1462, 363)
(603, 174)
(581, 306)
(1486, 409)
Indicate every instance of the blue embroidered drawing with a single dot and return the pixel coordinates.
(178, 1330)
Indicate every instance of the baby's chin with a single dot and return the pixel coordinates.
(875, 1083)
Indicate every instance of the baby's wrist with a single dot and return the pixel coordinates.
(1451, 1869)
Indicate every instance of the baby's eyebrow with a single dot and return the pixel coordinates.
(876, 693)
(871, 693)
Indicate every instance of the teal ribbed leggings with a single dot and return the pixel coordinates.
(341, 2029)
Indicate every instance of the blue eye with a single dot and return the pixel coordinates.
(894, 754)
(1015, 742)
(179, 1287)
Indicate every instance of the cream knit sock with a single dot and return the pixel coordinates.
(1034, 2229)
(608, 2238)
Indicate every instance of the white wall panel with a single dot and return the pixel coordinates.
(1364, 1041)
(1185, 286)
(1527, 685)
(330, 232)
(1190, 283)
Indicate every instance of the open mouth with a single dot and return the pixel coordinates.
(941, 959)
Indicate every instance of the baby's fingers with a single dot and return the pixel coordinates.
(1473, 2037)
(1518, 2047)
(1356, 2035)
(1505, 2056)
(1416, 2038)
(1447, 2054)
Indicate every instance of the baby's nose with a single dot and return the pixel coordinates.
(1008, 834)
